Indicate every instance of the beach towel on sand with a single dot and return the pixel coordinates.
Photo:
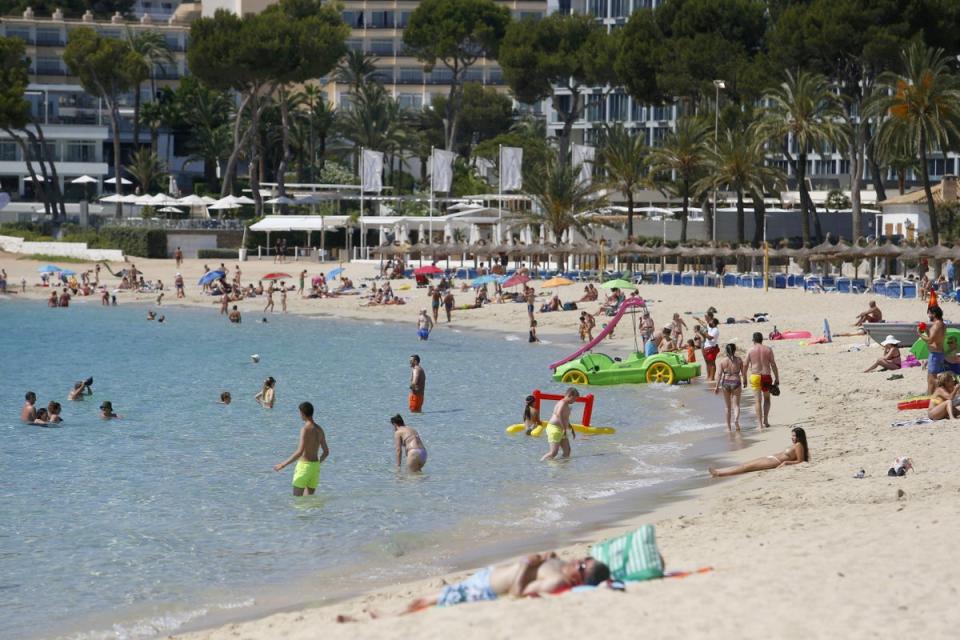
(633, 556)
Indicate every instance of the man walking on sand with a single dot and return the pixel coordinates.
(558, 425)
(418, 384)
(764, 376)
(306, 475)
(934, 337)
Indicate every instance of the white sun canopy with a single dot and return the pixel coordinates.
(299, 223)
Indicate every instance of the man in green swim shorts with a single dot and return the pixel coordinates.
(558, 425)
(306, 475)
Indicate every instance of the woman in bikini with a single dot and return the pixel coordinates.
(732, 381)
(406, 438)
(531, 417)
(943, 402)
(796, 453)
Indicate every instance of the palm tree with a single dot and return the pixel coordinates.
(681, 160)
(921, 112)
(374, 120)
(805, 109)
(559, 197)
(146, 168)
(738, 163)
(153, 51)
(312, 124)
(356, 69)
(622, 154)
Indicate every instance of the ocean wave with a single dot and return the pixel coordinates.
(157, 625)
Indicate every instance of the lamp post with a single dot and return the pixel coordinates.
(718, 84)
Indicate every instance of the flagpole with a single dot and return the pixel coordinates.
(361, 200)
(433, 171)
(500, 192)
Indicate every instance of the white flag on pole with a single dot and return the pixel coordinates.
(441, 170)
(511, 168)
(371, 171)
(583, 157)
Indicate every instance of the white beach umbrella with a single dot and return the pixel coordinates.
(193, 200)
(208, 199)
(145, 200)
(243, 200)
(169, 210)
(130, 198)
(113, 198)
(223, 205)
(114, 181)
(164, 200)
(281, 200)
(84, 180)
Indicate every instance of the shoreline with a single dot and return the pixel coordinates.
(804, 538)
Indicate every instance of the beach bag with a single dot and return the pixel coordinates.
(633, 556)
(569, 306)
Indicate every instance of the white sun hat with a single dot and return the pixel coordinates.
(890, 340)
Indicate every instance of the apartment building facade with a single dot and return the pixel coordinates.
(827, 168)
(76, 124)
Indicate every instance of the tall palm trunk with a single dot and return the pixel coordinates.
(931, 205)
(801, 168)
(759, 218)
(741, 233)
(630, 213)
(685, 214)
(136, 117)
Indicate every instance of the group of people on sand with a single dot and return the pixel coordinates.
(50, 415)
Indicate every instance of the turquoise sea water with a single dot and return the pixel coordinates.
(132, 528)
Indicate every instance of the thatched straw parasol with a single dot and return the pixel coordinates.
(886, 250)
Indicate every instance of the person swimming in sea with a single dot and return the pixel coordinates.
(306, 476)
(407, 438)
(225, 398)
(106, 411)
(267, 395)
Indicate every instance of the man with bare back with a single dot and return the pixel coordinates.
(764, 376)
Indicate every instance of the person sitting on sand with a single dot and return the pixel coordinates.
(796, 453)
(29, 411)
(872, 314)
(553, 305)
(944, 399)
(538, 574)
(481, 298)
(106, 411)
(267, 395)
(408, 439)
(531, 416)
(890, 360)
(590, 294)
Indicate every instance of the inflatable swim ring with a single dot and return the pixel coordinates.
(579, 428)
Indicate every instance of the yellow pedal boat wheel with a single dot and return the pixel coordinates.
(576, 377)
(660, 372)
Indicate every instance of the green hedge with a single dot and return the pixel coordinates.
(230, 254)
(143, 243)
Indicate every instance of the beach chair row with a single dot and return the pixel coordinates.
(895, 288)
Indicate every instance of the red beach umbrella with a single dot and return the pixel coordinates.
(514, 280)
(276, 276)
(429, 270)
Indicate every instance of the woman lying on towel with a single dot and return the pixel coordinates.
(541, 573)
(794, 454)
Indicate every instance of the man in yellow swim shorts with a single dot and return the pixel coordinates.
(558, 425)
(306, 475)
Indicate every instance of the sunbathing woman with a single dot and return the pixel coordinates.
(890, 360)
(943, 402)
(794, 454)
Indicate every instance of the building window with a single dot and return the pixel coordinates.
(638, 113)
(663, 112)
(598, 8)
(353, 19)
(411, 76)
(595, 111)
(80, 152)
(441, 76)
(936, 166)
(659, 133)
(410, 101)
(618, 107)
(355, 45)
(381, 19)
(383, 75)
(47, 65)
(20, 32)
(404, 19)
(9, 151)
(619, 8)
(49, 37)
(495, 76)
(473, 75)
(382, 47)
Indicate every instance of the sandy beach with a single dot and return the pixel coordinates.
(798, 552)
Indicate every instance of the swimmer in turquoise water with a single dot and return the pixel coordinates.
(407, 438)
